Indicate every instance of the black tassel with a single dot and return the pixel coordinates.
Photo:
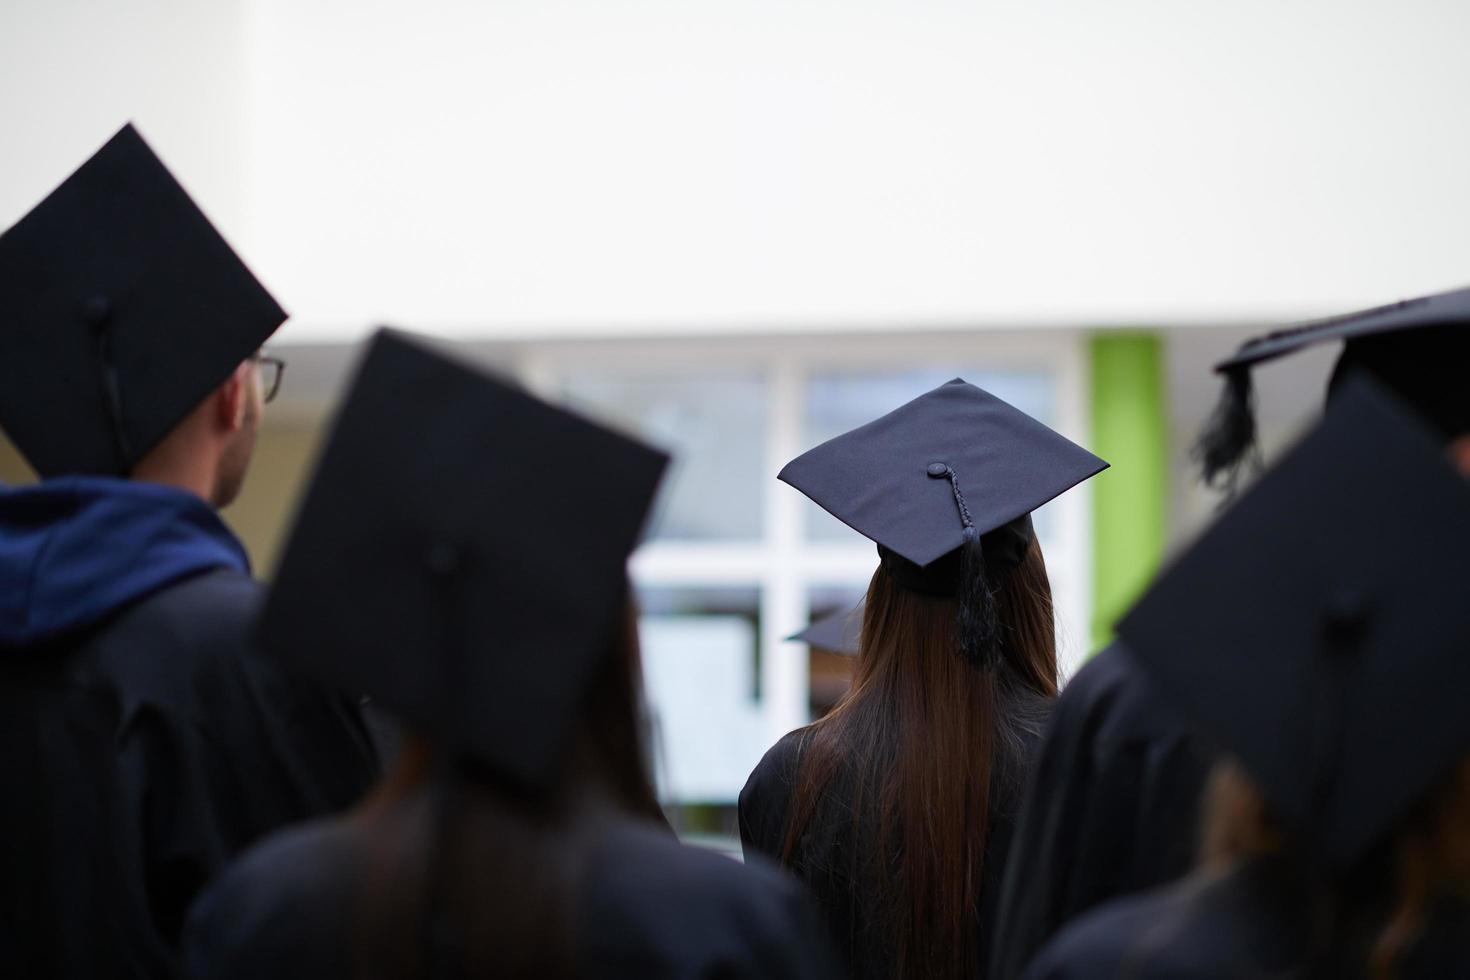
(1228, 443)
(979, 627)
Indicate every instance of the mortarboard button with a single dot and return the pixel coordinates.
(96, 311)
(1010, 464)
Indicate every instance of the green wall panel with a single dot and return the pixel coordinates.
(1129, 500)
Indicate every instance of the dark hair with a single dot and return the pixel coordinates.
(1424, 367)
(1427, 853)
(915, 749)
(471, 875)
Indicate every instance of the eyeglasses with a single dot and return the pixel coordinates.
(272, 369)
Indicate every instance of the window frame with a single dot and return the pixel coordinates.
(783, 565)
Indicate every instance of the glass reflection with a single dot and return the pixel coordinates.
(714, 424)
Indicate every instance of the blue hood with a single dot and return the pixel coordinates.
(76, 549)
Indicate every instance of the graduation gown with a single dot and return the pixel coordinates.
(647, 907)
(1112, 808)
(142, 755)
(824, 853)
(1261, 919)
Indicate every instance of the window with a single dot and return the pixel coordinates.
(701, 670)
(736, 561)
(714, 424)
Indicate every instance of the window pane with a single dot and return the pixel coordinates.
(701, 666)
(839, 401)
(715, 425)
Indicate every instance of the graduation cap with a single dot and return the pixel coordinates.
(945, 485)
(461, 556)
(121, 308)
(839, 632)
(1417, 348)
(1319, 630)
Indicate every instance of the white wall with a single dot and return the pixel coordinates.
(492, 167)
(72, 72)
(499, 166)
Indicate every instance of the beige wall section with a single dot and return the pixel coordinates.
(13, 469)
(262, 515)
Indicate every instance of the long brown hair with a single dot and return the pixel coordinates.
(915, 750)
(468, 875)
(1428, 855)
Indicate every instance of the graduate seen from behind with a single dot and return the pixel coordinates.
(1337, 823)
(477, 588)
(897, 807)
(145, 747)
(1114, 807)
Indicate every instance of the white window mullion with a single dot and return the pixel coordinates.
(784, 680)
(1072, 590)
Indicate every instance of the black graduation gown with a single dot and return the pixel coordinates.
(142, 755)
(824, 854)
(649, 907)
(1259, 920)
(1112, 808)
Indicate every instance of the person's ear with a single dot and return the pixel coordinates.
(1458, 452)
(229, 398)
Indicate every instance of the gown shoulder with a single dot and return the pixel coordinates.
(282, 910)
(647, 907)
(657, 908)
(764, 805)
(1110, 809)
(1250, 921)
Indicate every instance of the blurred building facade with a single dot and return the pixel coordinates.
(739, 229)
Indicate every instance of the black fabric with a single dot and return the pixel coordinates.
(1415, 347)
(840, 632)
(1425, 368)
(1112, 807)
(824, 855)
(1439, 309)
(656, 909)
(894, 479)
(121, 308)
(1261, 919)
(1001, 549)
(143, 755)
(500, 534)
(649, 908)
(930, 480)
(1327, 655)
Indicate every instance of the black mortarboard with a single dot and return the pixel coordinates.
(121, 308)
(461, 556)
(955, 466)
(839, 632)
(1417, 348)
(1319, 630)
